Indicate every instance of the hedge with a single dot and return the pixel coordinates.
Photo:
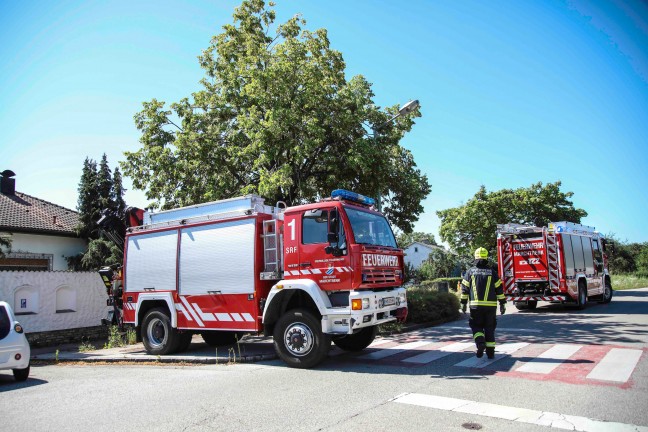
(428, 305)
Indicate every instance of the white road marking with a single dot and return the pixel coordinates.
(499, 329)
(550, 359)
(430, 356)
(617, 365)
(522, 415)
(501, 352)
(388, 352)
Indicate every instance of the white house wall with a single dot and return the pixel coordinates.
(82, 292)
(417, 258)
(59, 247)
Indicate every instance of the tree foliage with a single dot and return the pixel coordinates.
(474, 224)
(5, 242)
(99, 189)
(405, 239)
(441, 264)
(624, 257)
(275, 117)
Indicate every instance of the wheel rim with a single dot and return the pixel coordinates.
(156, 333)
(298, 339)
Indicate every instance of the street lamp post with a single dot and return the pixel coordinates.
(404, 110)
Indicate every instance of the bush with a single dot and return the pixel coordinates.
(428, 305)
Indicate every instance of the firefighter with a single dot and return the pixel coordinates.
(483, 288)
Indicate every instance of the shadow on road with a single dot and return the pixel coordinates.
(7, 382)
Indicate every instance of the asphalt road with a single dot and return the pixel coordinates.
(560, 363)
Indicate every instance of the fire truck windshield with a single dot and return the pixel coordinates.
(370, 228)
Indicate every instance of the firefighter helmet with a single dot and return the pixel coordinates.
(481, 253)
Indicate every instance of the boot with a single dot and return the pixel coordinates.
(490, 352)
(480, 350)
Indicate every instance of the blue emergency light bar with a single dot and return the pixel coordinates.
(352, 196)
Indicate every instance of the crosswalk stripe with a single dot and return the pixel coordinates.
(388, 352)
(617, 365)
(515, 414)
(436, 354)
(505, 349)
(550, 359)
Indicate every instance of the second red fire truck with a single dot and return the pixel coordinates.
(308, 275)
(563, 262)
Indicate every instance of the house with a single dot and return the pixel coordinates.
(54, 305)
(417, 253)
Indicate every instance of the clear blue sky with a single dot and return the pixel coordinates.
(512, 92)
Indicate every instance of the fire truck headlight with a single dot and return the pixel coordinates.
(365, 303)
(402, 298)
(356, 304)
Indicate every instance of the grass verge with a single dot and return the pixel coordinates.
(628, 281)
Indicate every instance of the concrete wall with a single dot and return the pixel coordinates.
(54, 300)
(59, 247)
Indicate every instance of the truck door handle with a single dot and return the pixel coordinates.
(305, 264)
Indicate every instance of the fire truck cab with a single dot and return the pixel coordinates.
(564, 262)
(307, 275)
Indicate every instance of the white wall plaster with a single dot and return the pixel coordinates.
(90, 301)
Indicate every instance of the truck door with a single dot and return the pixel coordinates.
(331, 270)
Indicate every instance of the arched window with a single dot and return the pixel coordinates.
(66, 299)
(26, 300)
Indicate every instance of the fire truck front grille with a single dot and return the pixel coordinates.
(378, 276)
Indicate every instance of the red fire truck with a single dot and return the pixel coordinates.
(307, 275)
(562, 263)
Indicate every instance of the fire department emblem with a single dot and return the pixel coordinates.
(330, 270)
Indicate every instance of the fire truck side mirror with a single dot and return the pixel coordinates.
(333, 236)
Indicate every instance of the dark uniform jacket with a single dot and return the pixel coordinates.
(482, 286)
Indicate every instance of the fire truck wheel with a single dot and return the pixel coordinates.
(582, 296)
(607, 293)
(521, 305)
(158, 336)
(219, 338)
(299, 340)
(357, 341)
(185, 341)
(532, 304)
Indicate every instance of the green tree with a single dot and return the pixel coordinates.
(276, 117)
(405, 239)
(642, 261)
(623, 257)
(87, 200)
(440, 264)
(5, 242)
(99, 189)
(474, 224)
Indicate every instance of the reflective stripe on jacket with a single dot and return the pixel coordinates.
(482, 287)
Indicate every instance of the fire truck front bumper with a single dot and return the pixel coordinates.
(366, 309)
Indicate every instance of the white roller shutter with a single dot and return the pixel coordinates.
(218, 257)
(151, 261)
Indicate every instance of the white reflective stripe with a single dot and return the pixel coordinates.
(203, 315)
(184, 311)
(617, 365)
(223, 317)
(522, 415)
(479, 363)
(340, 269)
(306, 272)
(349, 269)
(436, 354)
(388, 352)
(191, 311)
(550, 359)
(248, 317)
(316, 271)
(236, 317)
(295, 273)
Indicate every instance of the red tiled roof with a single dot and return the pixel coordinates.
(25, 213)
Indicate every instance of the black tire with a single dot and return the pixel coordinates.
(607, 292)
(185, 341)
(532, 304)
(357, 341)
(581, 301)
(521, 305)
(21, 375)
(158, 336)
(299, 340)
(219, 338)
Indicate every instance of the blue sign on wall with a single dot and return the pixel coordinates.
(23, 303)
